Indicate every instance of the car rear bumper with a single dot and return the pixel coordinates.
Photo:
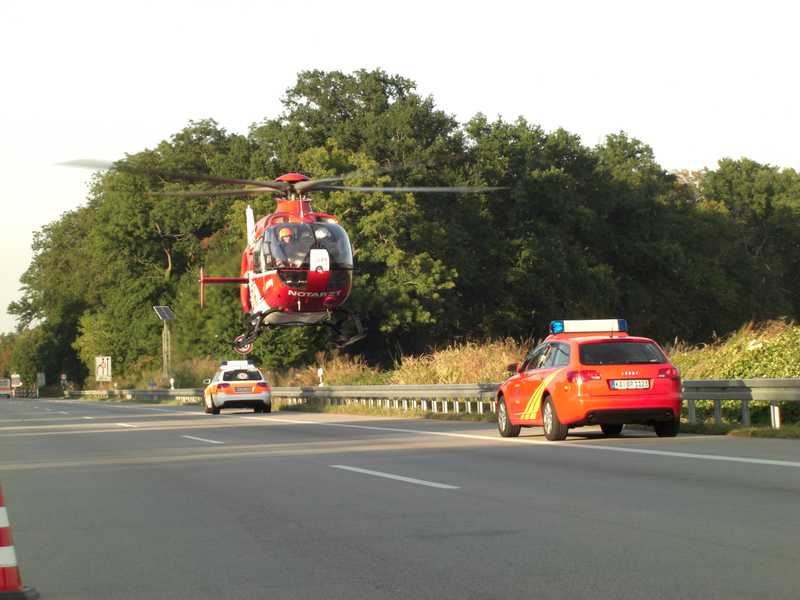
(618, 410)
(242, 400)
(621, 416)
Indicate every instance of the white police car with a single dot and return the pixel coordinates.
(237, 384)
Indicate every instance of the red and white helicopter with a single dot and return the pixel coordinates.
(297, 266)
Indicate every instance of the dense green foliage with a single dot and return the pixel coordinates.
(582, 232)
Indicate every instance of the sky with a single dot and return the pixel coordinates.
(697, 81)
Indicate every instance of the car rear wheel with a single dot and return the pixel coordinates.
(554, 430)
(611, 429)
(667, 428)
(504, 423)
(208, 406)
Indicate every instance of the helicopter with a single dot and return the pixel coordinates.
(297, 266)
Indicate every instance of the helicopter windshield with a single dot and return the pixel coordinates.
(288, 245)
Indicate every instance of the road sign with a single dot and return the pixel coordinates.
(40, 379)
(102, 368)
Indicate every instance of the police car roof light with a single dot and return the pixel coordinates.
(237, 364)
(589, 326)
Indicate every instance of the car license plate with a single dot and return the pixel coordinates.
(242, 389)
(630, 384)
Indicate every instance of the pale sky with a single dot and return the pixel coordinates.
(697, 80)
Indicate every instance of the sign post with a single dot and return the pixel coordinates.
(41, 381)
(16, 382)
(166, 315)
(102, 368)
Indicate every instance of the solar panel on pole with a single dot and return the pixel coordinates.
(166, 315)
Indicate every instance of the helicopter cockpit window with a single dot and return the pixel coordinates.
(288, 245)
(261, 258)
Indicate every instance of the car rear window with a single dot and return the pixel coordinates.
(621, 353)
(241, 375)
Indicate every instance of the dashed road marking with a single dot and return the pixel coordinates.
(199, 439)
(433, 484)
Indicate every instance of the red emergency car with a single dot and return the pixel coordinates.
(591, 372)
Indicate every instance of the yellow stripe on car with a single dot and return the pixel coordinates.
(535, 402)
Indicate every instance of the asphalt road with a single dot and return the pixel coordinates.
(133, 501)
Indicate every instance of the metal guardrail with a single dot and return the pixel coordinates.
(480, 397)
(475, 397)
(743, 390)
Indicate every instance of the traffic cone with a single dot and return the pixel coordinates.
(11, 587)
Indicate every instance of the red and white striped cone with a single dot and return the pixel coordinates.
(11, 587)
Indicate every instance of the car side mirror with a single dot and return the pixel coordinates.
(206, 381)
(512, 368)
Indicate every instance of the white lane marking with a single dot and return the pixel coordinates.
(433, 484)
(8, 558)
(3, 517)
(90, 418)
(125, 425)
(574, 445)
(199, 439)
(63, 412)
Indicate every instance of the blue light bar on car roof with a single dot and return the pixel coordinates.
(589, 326)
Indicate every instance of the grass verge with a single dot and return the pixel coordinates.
(787, 432)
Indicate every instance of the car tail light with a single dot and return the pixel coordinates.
(263, 385)
(582, 376)
(669, 373)
(222, 386)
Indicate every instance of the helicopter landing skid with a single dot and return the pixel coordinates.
(342, 339)
(255, 323)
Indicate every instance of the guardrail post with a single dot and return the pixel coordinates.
(746, 413)
(774, 415)
(691, 414)
(444, 405)
(718, 412)
(405, 404)
(469, 406)
(480, 406)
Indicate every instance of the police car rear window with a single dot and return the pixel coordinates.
(621, 353)
(241, 375)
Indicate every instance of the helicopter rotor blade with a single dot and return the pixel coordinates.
(87, 163)
(207, 193)
(402, 190)
(172, 175)
(315, 184)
